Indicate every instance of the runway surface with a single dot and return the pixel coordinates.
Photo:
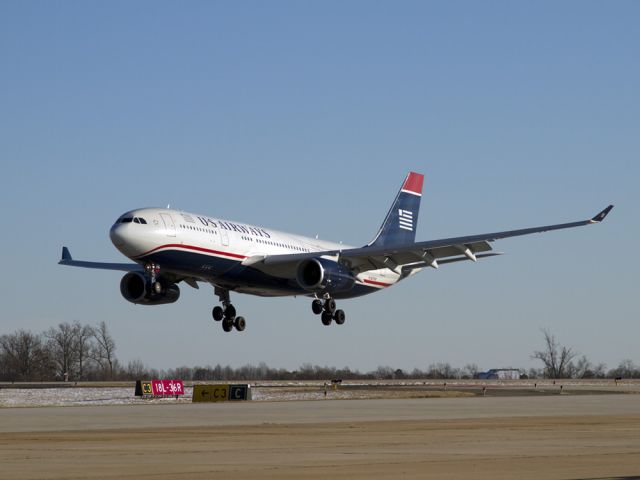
(562, 436)
(51, 419)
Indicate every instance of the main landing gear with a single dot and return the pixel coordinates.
(227, 313)
(327, 310)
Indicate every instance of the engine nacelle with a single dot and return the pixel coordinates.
(135, 287)
(320, 274)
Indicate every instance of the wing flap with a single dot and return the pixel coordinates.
(362, 260)
(414, 266)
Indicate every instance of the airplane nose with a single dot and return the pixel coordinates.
(118, 235)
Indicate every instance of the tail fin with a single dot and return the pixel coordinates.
(399, 226)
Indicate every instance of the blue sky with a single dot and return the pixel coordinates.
(305, 117)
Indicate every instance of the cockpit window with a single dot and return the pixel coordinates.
(139, 220)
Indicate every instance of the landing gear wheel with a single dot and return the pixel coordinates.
(227, 325)
(227, 313)
(240, 323)
(339, 317)
(330, 306)
(326, 318)
(317, 307)
(217, 313)
(230, 312)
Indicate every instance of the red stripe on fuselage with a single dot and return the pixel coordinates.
(197, 249)
(379, 284)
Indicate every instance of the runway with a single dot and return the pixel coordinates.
(563, 436)
(52, 419)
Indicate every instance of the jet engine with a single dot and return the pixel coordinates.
(136, 288)
(320, 274)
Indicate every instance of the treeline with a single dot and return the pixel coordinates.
(70, 351)
(75, 352)
(263, 372)
(561, 361)
(435, 371)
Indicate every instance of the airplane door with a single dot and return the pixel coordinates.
(169, 226)
(224, 237)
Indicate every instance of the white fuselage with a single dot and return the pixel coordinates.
(212, 249)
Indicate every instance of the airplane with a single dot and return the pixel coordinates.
(171, 246)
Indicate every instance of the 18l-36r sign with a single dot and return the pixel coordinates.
(159, 388)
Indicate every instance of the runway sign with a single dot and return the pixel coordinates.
(163, 388)
(239, 392)
(159, 388)
(210, 393)
(221, 393)
(147, 389)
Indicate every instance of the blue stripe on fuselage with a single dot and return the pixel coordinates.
(232, 273)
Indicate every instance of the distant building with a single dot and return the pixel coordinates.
(499, 374)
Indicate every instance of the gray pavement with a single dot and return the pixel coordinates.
(52, 419)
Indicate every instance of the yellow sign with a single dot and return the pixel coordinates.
(146, 388)
(221, 393)
(210, 393)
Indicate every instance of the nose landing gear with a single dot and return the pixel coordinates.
(227, 313)
(327, 311)
(153, 269)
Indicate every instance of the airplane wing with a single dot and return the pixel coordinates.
(125, 267)
(415, 255)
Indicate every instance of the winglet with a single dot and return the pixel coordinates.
(66, 255)
(600, 217)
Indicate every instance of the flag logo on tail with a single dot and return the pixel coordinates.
(405, 218)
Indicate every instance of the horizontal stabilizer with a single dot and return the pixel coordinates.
(124, 267)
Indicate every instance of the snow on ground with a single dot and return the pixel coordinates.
(61, 397)
(291, 391)
(58, 397)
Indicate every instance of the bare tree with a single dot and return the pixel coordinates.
(626, 369)
(442, 370)
(470, 370)
(103, 350)
(84, 334)
(535, 373)
(556, 358)
(137, 370)
(383, 373)
(62, 343)
(583, 368)
(23, 356)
